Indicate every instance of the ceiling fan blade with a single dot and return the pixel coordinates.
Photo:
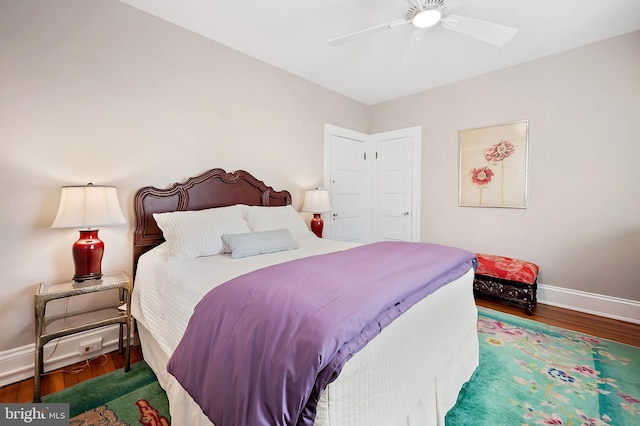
(413, 49)
(486, 31)
(372, 30)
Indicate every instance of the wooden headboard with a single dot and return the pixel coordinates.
(215, 188)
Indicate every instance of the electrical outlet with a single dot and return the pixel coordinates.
(90, 346)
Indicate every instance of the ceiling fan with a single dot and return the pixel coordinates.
(427, 13)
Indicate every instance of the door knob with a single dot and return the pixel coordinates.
(406, 213)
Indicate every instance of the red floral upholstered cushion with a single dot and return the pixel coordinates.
(507, 268)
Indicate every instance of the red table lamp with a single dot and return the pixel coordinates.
(316, 202)
(88, 207)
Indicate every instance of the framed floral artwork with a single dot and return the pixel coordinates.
(493, 166)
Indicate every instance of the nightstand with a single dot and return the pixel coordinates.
(53, 327)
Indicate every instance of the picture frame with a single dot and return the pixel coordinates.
(494, 166)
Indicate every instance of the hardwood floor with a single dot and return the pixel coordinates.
(606, 328)
(60, 379)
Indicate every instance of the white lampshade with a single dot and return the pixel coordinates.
(316, 201)
(88, 206)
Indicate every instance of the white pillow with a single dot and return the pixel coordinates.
(262, 218)
(199, 232)
(254, 243)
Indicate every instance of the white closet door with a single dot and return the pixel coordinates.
(349, 220)
(393, 189)
(372, 199)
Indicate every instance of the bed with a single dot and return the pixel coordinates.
(409, 373)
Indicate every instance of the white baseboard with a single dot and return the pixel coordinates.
(590, 303)
(18, 364)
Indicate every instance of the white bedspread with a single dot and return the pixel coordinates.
(410, 374)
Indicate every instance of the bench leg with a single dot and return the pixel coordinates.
(529, 308)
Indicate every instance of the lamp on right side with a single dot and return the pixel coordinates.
(316, 202)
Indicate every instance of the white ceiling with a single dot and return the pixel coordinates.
(293, 35)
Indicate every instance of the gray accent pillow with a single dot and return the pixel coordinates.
(261, 242)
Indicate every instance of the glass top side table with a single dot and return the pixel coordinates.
(53, 327)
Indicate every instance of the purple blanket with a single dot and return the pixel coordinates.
(259, 349)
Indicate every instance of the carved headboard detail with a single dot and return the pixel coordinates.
(215, 188)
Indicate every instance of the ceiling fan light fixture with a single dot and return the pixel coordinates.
(427, 18)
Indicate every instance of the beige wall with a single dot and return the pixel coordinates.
(582, 224)
(102, 92)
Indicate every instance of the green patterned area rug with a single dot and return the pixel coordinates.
(117, 398)
(529, 374)
(534, 374)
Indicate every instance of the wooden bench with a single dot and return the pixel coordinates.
(509, 280)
